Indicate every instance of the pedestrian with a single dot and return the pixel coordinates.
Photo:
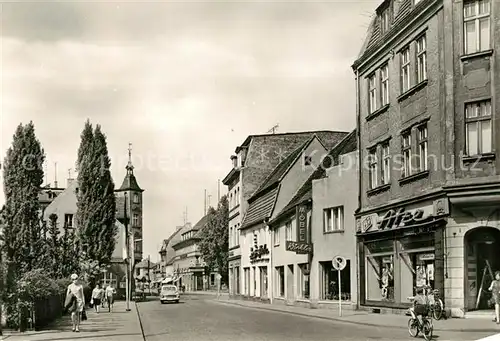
(495, 293)
(97, 298)
(110, 291)
(75, 289)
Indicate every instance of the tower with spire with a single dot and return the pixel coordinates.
(129, 206)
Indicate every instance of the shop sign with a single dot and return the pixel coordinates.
(426, 256)
(393, 219)
(301, 223)
(299, 248)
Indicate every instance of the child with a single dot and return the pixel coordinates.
(420, 303)
(495, 292)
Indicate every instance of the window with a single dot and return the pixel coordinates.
(276, 236)
(304, 281)
(422, 148)
(238, 234)
(231, 200)
(212, 279)
(136, 198)
(421, 59)
(384, 85)
(478, 127)
(255, 239)
(476, 26)
(68, 220)
(372, 168)
(385, 22)
(379, 264)
(263, 281)
(135, 220)
(405, 70)
(333, 219)
(280, 281)
(288, 231)
(330, 282)
(386, 164)
(307, 160)
(406, 170)
(372, 94)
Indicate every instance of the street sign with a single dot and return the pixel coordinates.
(339, 263)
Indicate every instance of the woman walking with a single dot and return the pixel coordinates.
(75, 289)
(97, 297)
(495, 292)
(110, 291)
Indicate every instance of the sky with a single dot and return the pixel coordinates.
(185, 82)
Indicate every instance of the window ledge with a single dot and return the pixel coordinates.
(379, 189)
(481, 54)
(414, 177)
(478, 158)
(413, 90)
(335, 231)
(377, 112)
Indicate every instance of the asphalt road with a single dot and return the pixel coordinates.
(199, 318)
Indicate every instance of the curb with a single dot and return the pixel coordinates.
(354, 322)
(140, 321)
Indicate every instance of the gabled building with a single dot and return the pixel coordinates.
(167, 252)
(252, 163)
(189, 269)
(429, 183)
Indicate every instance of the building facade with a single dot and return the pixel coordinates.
(253, 161)
(429, 181)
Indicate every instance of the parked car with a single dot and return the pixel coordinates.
(169, 293)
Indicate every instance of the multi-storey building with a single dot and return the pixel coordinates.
(429, 184)
(255, 159)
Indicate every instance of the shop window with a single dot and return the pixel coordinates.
(263, 281)
(246, 272)
(237, 276)
(330, 284)
(379, 264)
(280, 283)
(304, 281)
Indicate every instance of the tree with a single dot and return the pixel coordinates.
(214, 245)
(67, 245)
(55, 249)
(96, 228)
(23, 177)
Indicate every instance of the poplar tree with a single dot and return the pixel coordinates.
(96, 229)
(55, 247)
(23, 177)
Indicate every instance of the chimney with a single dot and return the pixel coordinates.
(178, 228)
(234, 158)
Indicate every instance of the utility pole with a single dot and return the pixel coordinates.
(55, 174)
(128, 261)
(209, 196)
(218, 190)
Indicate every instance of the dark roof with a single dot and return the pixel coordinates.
(199, 225)
(280, 170)
(130, 183)
(167, 241)
(401, 10)
(261, 208)
(347, 145)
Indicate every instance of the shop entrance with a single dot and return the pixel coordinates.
(482, 259)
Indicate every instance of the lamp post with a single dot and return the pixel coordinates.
(127, 255)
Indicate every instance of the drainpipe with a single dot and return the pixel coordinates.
(360, 166)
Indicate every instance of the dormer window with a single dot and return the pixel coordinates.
(385, 20)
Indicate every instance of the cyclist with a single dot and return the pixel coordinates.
(420, 307)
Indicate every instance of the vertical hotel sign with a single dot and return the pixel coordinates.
(302, 224)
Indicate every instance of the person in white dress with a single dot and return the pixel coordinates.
(76, 289)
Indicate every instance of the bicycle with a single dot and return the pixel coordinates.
(415, 325)
(435, 303)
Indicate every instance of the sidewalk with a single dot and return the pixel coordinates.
(208, 292)
(369, 319)
(119, 325)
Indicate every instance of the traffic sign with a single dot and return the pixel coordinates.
(339, 263)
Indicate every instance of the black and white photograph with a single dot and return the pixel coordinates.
(249, 170)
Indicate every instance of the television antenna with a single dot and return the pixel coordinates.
(274, 128)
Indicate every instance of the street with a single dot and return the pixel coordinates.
(198, 317)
